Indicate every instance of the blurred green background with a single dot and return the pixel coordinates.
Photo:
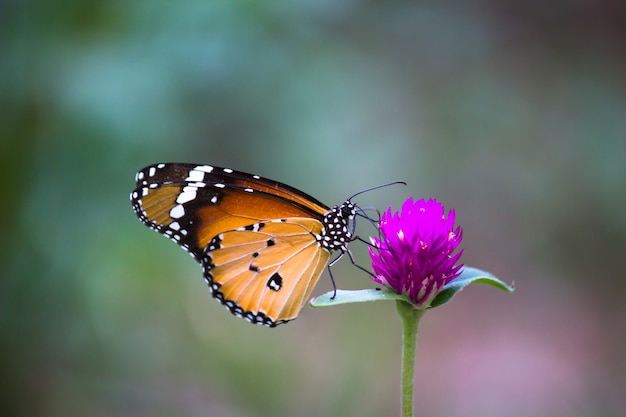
(512, 113)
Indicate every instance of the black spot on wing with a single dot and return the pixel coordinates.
(275, 283)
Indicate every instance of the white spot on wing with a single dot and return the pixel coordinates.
(204, 168)
(175, 225)
(219, 185)
(188, 194)
(228, 170)
(152, 172)
(177, 212)
(195, 176)
(274, 285)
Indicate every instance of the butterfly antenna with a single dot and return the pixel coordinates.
(377, 187)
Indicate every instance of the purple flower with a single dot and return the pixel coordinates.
(414, 255)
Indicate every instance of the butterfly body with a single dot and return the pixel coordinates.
(262, 244)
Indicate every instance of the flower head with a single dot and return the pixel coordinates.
(415, 254)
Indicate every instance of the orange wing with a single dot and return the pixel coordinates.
(265, 272)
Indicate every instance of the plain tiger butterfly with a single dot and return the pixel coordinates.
(262, 244)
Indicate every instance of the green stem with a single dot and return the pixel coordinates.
(410, 321)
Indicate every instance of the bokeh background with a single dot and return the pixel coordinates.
(512, 113)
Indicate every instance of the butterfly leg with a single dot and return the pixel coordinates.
(370, 273)
(330, 272)
(334, 261)
(360, 239)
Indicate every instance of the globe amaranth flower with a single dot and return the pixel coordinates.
(415, 252)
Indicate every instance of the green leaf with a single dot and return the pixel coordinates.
(468, 276)
(358, 296)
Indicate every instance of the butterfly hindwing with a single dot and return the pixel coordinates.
(265, 272)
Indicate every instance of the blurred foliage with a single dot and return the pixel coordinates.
(514, 114)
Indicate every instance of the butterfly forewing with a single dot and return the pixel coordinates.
(266, 272)
(198, 173)
(193, 203)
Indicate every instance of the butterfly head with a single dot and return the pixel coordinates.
(338, 227)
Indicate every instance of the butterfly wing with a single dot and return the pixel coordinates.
(265, 272)
(192, 203)
(258, 240)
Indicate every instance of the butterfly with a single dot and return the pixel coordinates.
(262, 244)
